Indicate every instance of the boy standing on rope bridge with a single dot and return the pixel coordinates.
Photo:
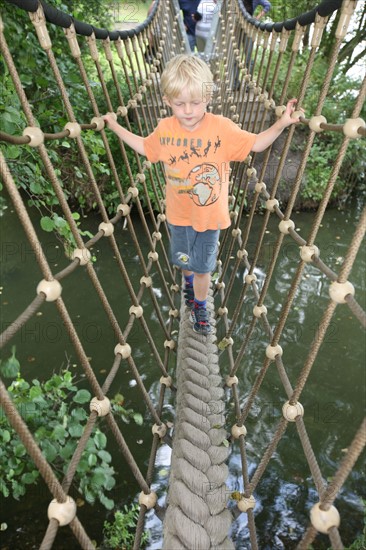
(196, 148)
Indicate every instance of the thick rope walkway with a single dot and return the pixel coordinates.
(197, 514)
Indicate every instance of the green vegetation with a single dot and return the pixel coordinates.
(120, 534)
(56, 412)
(360, 542)
(49, 110)
(337, 109)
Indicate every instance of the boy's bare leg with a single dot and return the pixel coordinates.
(201, 284)
(187, 273)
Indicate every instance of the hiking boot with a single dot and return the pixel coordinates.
(200, 318)
(189, 296)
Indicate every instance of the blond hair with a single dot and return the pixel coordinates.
(187, 72)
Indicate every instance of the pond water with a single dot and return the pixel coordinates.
(334, 396)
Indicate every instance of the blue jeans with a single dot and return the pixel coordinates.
(192, 41)
(193, 250)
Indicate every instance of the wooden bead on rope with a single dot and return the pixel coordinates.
(339, 291)
(35, 135)
(124, 350)
(237, 431)
(250, 278)
(351, 127)
(273, 351)
(270, 104)
(137, 311)
(101, 406)
(297, 114)
(309, 253)
(271, 204)
(99, 123)
(63, 512)
(279, 110)
(258, 311)
(134, 192)
(124, 208)
(169, 344)
(166, 380)
(147, 281)
(82, 254)
(242, 254)
(285, 225)
(159, 430)
(74, 129)
(153, 255)
(225, 342)
(246, 503)
(292, 411)
(231, 380)
(51, 289)
(323, 520)
(157, 235)
(122, 111)
(315, 123)
(107, 228)
(148, 500)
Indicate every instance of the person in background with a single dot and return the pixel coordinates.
(203, 17)
(189, 7)
(252, 5)
(150, 51)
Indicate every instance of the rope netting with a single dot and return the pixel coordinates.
(196, 514)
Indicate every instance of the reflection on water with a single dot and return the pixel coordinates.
(333, 398)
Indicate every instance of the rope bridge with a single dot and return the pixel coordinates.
(206, 376)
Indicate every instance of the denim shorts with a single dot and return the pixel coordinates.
(193, 250)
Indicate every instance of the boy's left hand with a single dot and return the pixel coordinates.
(287, 117)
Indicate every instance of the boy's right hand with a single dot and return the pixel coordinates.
(109, 118)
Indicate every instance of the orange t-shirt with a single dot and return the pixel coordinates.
(197, 168)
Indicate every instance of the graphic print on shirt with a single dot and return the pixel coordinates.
(203, 183)
(193, 182)
(207, 184)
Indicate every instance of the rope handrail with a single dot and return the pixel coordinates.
(352, 127)
(324, 9)
(62, 19)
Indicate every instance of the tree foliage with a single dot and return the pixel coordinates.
(353, 48)
(56, 412)
(48, 108)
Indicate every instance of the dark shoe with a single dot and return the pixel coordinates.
(189, 296)
(200, 319)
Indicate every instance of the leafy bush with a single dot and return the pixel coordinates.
(55, 413)
(49, 111)
(337, 108)
(120, 534)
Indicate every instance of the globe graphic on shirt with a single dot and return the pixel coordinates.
(206, 184)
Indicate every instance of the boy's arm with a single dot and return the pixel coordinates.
(134, 141)
(266, 138)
